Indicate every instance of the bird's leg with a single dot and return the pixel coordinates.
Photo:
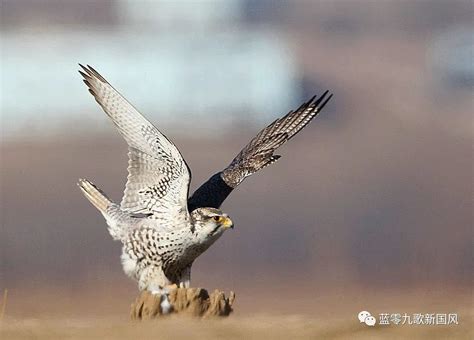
(154, 280)
(185, 280)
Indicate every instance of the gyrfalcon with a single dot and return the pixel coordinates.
(161, 229)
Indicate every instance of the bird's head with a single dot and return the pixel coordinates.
(211, 221)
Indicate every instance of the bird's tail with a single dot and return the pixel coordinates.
(96, 196)
(117, 220)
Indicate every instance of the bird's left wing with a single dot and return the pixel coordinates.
(158, 177)
(257, 154)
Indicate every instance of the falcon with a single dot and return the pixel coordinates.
(161, 229)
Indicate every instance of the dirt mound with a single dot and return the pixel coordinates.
(193, 302)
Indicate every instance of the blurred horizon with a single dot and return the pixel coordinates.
(376, 193)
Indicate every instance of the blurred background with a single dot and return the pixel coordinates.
(372, 199)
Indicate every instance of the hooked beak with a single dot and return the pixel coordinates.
(228, 223)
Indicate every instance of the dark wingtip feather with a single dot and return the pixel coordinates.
(86, 81)
(85, 76)
(96, 74)
(85, 70)
(311, 100)
(320, 107)
(320, 99)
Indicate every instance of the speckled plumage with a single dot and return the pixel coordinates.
(160, 258)
(162, 231)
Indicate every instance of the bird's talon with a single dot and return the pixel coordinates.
(159, 291)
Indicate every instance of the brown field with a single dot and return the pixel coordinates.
(295, 314)
(254, 327)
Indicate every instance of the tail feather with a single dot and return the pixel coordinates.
(96, 196)
(117, 220)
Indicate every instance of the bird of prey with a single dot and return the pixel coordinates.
(162, 230)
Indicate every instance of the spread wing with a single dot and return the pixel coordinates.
(158, 177)
(257, 154)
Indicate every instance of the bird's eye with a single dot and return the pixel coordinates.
(216, 218)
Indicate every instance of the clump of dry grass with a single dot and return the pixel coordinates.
(194, 302)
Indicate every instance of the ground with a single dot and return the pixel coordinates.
(305, 315)
(238, 327)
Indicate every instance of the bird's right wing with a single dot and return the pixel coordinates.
(257, 154)
(158, 177)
